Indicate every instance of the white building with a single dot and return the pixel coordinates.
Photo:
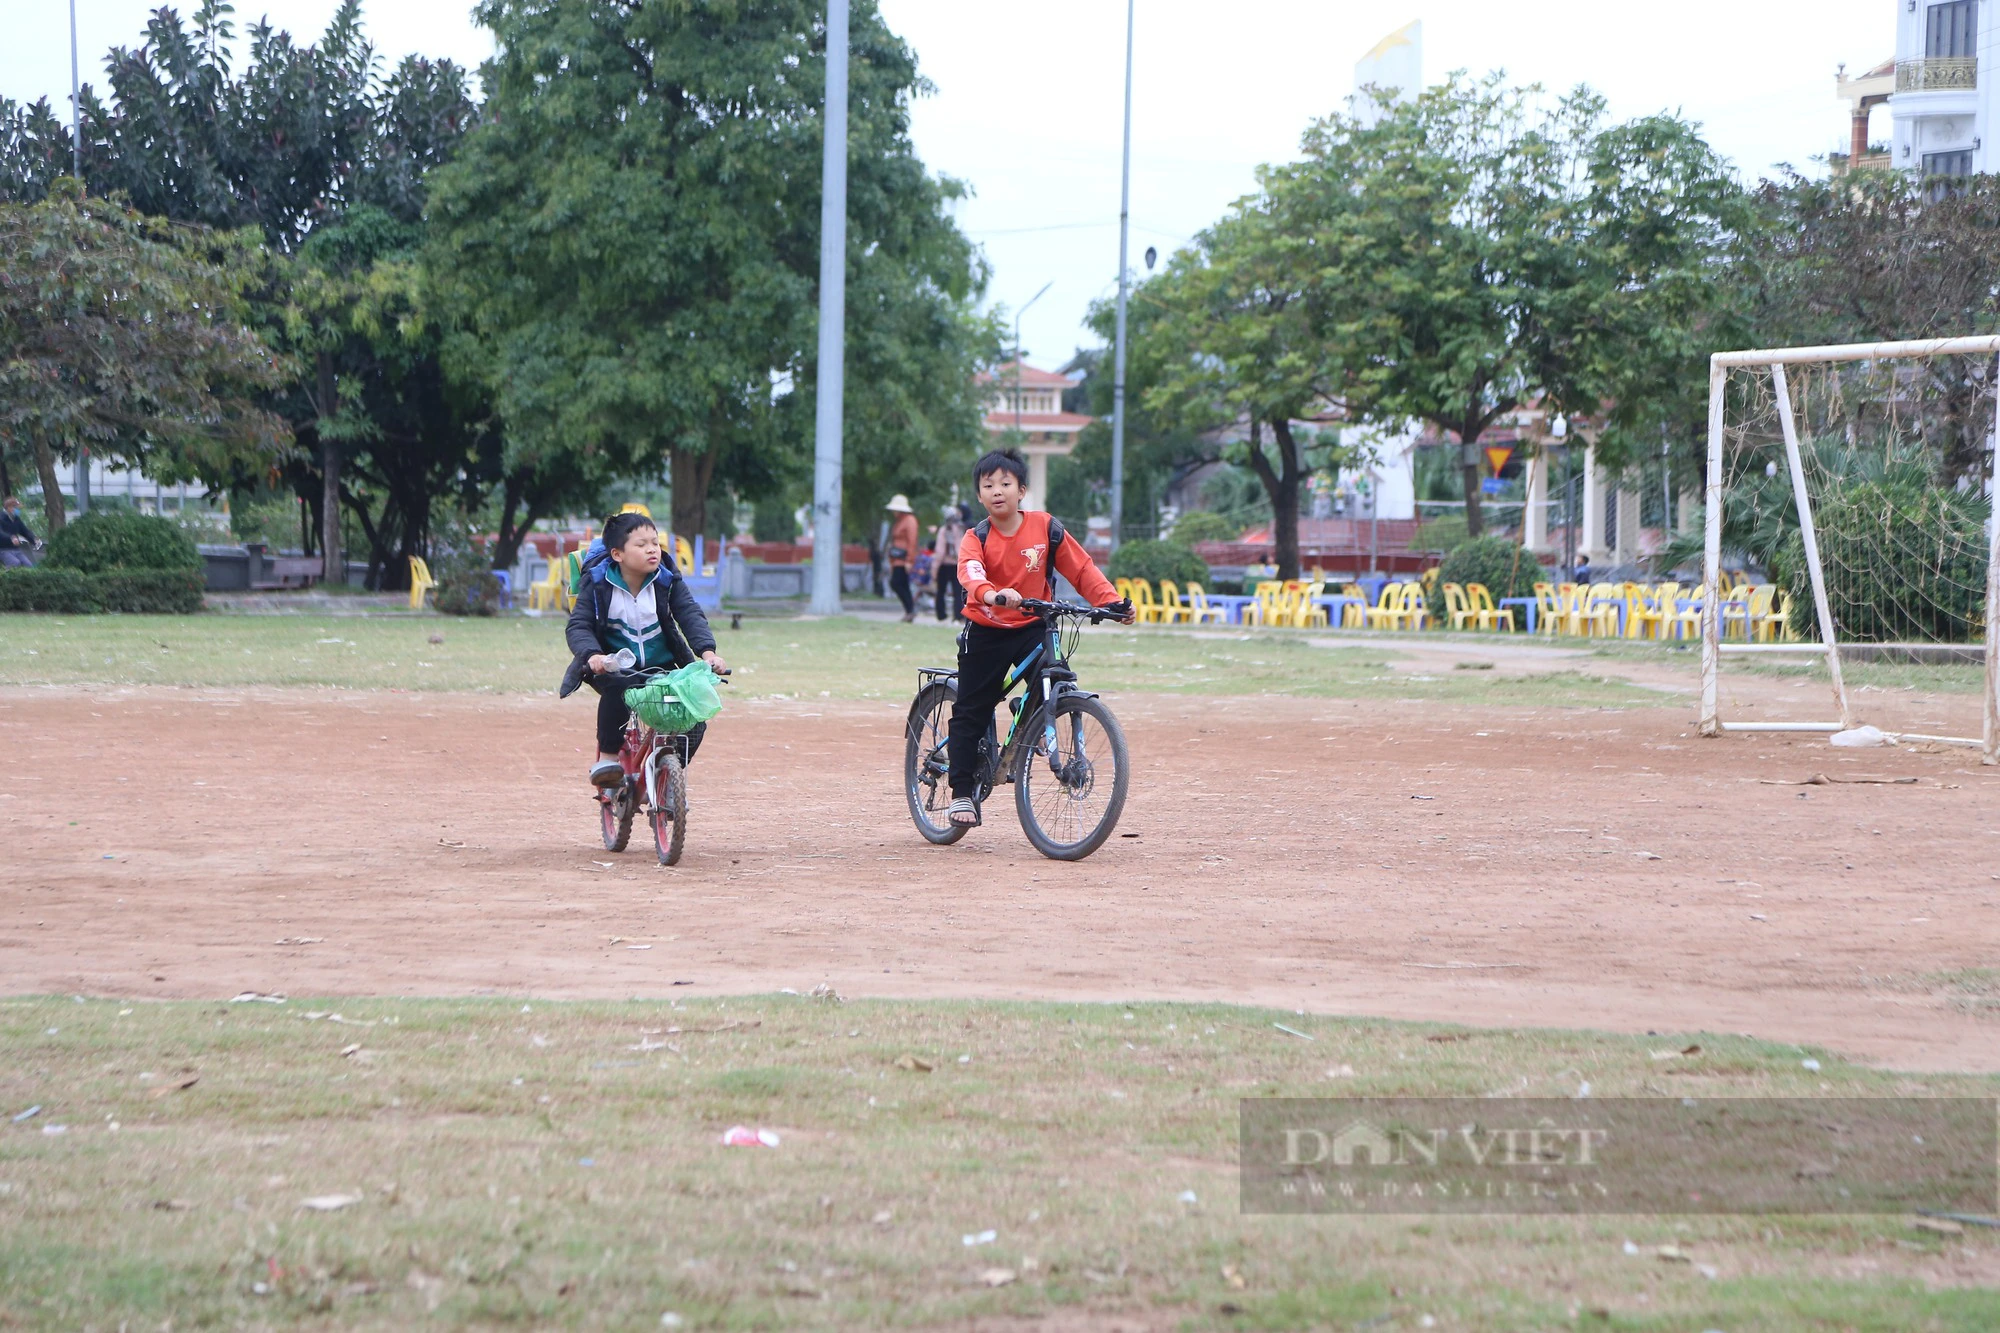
(1944, 99)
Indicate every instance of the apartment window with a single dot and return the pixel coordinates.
(1953, 30)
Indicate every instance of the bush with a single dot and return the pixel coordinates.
(1153, 561)
(109, 539)
(1903, 561)
(1205, 525)
(466, 584)
(1507, 568)
(136, 591)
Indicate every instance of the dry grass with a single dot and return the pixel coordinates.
(548, 1165)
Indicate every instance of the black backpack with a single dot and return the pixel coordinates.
(1056, 538)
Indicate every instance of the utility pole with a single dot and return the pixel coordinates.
(1017, 351)
(832, 321)
(1118, 355)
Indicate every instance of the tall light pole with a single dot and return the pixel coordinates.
(1118, 354)
(75, 102)
(832, 321)
(1017, 351)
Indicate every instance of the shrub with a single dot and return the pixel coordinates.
(1153, 561)
(466, 584)
(1902, 561)
(1507, 568)
(108, 539)
(137, 591)
(1205, 525)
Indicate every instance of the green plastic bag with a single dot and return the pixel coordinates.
(679, 701)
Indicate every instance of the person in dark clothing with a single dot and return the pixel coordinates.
(16, 540)
(631, 591)
(950, 596)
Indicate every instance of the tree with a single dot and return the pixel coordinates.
(299, 139)
(631, 237)
(126, 335)
(1228, 335)
(1475, 248)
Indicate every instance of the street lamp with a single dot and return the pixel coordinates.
(1124, 284)
(829, 405)
(1017, 351)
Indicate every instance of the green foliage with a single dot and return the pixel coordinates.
(774, 520)
(1507, 568)
(1903, 561)
(135, 591)
(630, 242)
(119, 539)
(1156, 560)
(1205, 525)
(126, 334)
(466, 583)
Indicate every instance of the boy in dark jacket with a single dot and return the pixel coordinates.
(627, 599)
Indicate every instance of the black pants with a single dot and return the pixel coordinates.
(899, 583)
(985, 655)
(950, 596)
(612, 712)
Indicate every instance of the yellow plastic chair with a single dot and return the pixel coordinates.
(1455, 606)
(1305, 615)
(684, 556)
(420, 582)
(1145, 610)
(1390, 610)
(1416, 606)
(1269, 608)
(1548, 608)
(1777, 622)
(1354, 614)
(1648, 616)
(1199, 612)
(1170, 610)
(547, 593)
(1479, 600)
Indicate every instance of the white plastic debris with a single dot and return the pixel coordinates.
(1188, 1196)
(742, 1136)
(1859, 738)
(1811, 1064)
(987, 1237)
(329, 1203)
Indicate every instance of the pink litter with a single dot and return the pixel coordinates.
(742, 1136)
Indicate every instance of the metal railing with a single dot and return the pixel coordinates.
(1938, 74)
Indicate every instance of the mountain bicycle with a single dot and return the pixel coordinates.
(1064, 753)
(655, 780)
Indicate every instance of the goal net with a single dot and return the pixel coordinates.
(1848, 513)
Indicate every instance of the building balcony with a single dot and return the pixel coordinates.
(1940, 74)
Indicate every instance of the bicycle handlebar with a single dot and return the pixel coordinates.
(1053, 610)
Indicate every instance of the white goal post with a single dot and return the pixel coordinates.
(1774, 362)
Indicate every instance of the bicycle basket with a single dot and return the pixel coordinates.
(677, 702)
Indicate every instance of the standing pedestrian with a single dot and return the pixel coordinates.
(902, 552)
(950, 595)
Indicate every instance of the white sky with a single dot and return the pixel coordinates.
(1028, 103)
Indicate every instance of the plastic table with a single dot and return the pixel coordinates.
(1336, 607)
(1531, 604)
(1232, 604)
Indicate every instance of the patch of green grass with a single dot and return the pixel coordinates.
(559, 1165)
(844, 658)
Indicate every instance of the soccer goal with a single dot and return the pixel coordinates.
(1861, 482)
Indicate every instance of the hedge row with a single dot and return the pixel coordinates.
(143, 591)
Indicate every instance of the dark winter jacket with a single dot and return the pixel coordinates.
(14, 532)
(587, 632)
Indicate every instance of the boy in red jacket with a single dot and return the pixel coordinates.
(1003, 560)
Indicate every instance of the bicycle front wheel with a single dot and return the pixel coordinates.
(669, 812)
(926, 768)
(1069, 785)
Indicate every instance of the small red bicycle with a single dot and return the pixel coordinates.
(655, 781)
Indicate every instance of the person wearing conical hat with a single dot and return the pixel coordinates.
(902, 552)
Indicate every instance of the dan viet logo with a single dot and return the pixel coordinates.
(1363, 1144)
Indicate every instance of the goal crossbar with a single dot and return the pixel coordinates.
(1775, 359)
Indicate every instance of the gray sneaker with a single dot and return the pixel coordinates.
(607, 773)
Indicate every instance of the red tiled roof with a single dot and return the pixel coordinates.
(1005, 420)
(1031, 378)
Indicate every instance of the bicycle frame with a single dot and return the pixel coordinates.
(1046, 672)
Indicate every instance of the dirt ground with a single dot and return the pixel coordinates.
(1555, 867)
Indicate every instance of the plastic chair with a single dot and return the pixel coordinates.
(1170, 610)
(506, 588)
(1270, 608)
(1199, 612)
(1144, 609)
(1305, 615)
(420, 582)
(546, 593)
(1649, 617)
(1390, 610)
(1548, 608)
(1479, 600)
(684, 556)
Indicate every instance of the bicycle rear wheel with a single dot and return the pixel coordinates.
(926, 769)
(669, 813)
(1069, 785)
(616, 810)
